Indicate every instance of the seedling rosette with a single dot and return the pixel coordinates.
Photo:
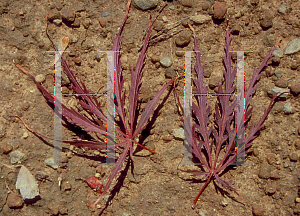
(94, 120)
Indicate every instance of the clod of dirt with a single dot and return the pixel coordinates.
(258, 210)
(14, 201)
(183, 39)
(264, 170)
(219, 10)
(27, 184)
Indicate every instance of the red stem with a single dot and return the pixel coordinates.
(204, 186)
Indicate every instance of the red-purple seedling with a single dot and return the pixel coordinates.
(208, 141)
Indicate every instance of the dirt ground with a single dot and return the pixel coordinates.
(155, 186)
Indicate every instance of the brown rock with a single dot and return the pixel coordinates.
(297, 142)
(63, 211)
(281, 83)
(102, 23)
(264, 170)
(295, 89)
(54, 14)
(77, 61)
(6, 148)
(213, 82)
(14, 201)
(170, 73)
(183, 39)
(187, 3)
(293, 156)
(68, 15)
(271, 188)
(258, 210)
(267, 21)
(53, 210)
(76, 23)
(66, 186)
(158, 25)
(219, 10)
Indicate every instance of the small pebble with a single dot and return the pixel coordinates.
(272, 92)
(293, 157)
(17, 157)
(264, 170)
(77, 61)
(68, 14)
(293, 46)
(105, 14)
(145, 4)
(6, 148)
(219, 10)
(40, 78)
(166, 62)
(66, 186)
(170, 73)
(14, 201)
(282, 8)
(183, 39)
(57, 22)
(200, 19)
(102, 23)
(287, 108)
(295, 89)
(281, 83)
(294, 65)
(54, 209)
(50, 162)
(258, 210)
(63, 211)
(187, 3)
(267, 21)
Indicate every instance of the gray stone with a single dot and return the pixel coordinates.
(166, 62)
(27, 184)
(285, 92)
(287, 108)
(178, 133)
(278, 52)
(17, 157)
(105, 14)
(200, 19)
(293, 46)
(50, 162)
(145, 4)
(282, 9)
